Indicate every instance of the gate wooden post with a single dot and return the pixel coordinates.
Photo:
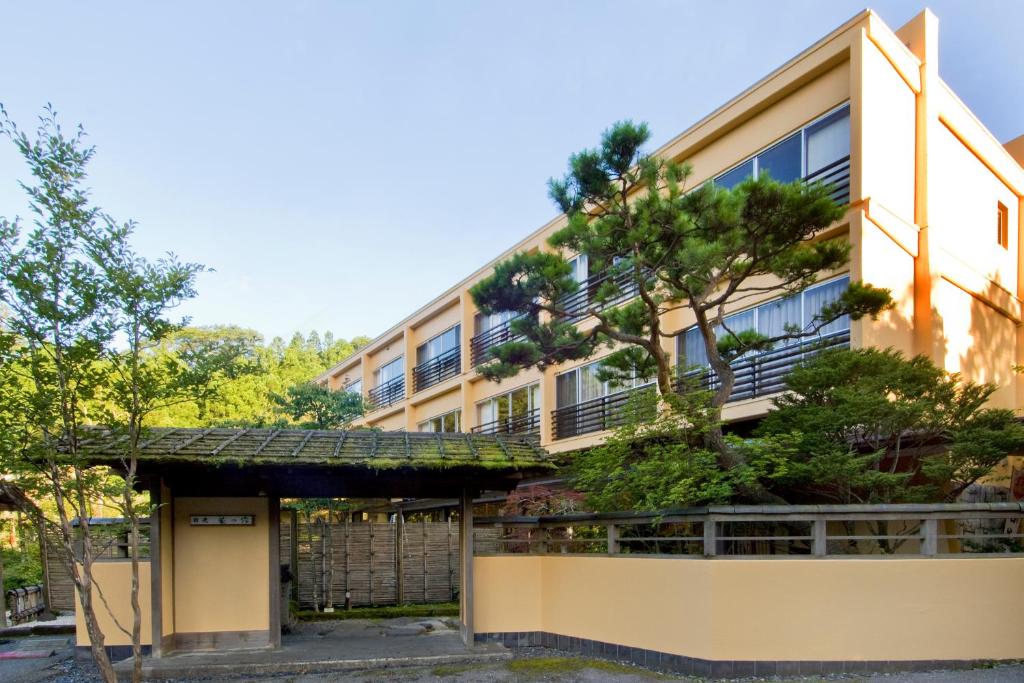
(399, 560)
(466, 560)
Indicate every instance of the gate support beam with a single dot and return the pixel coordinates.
(466, 565)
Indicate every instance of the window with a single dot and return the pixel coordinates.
(1002, 225)
(580, 267)
(803, 153)
(448, 422)
(734, 177)
(486, 323)
(772, 319)
(355, 387)
(784, 161)
(437, 346)
(827, 140)
(390, 371)
(506, 408)
(582, 384)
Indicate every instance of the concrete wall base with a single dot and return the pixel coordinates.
(115, 652)
(693, 666)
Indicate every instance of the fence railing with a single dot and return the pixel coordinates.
(436, 370)
(766, 531)
(25, 603)
(577, 305)
(481, 344)
(383, 395)
(836, 175)
(594, 415)
(526, 424)
(765, 373)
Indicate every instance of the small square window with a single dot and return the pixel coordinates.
(1003, 225)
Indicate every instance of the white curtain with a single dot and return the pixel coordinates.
(390, 371)
(590, 385)
(828, 141)
(774, 316)
(817, 297)
(693, 351)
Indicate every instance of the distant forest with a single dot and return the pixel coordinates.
(265, 370)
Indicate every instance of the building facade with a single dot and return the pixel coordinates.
(935, 211)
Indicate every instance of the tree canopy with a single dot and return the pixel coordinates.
(660, 246)
(856, 426)
(872, 426)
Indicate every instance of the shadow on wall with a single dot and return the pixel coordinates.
(968, 335)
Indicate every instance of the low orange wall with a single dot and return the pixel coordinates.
(766, 610)
(114, 580)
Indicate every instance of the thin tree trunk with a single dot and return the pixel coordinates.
(3, 593)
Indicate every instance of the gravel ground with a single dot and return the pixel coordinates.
(533, 665)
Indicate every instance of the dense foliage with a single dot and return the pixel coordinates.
(872, 426)
(261, 372)
(860, 426)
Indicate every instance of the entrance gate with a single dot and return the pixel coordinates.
(215, 547)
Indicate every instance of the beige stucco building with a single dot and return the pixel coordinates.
(935, 213)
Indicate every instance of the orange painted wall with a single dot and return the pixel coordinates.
(770, 610)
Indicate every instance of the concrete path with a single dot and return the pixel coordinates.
(34, 658)
(330, 647)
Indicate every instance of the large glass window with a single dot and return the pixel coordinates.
(517, 403)
(810, 149)
(448, 422)
(582, 384)
(355, 387)
(390, 371)
(580, 267)
(772, 319)
(735, 176)
(783, 161)
(442, 343)
(486, 323)
(827, 140)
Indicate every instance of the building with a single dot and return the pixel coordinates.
(934, 214)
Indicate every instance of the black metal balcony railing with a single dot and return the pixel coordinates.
(578, 304)
(385, 394)
(527, 424)
(595, 415)
(765, 373)
(437, 369)
(487, 340)
(837, 176)
(759, 375)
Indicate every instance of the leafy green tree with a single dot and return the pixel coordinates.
(872, 426)
(81, 350)
(662, 461)
(665, 248)
(317, 407)
(55, 335)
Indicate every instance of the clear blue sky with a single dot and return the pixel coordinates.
(340, 164)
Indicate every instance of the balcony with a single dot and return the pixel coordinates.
(765, 373)
(527, 424)
(390, 392)
(437, 369)
(759, 375)
(481, 344)
(595, 415)
(837, 176)
(578, 304)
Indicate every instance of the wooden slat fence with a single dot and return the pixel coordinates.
(375, 563)
(378, 563)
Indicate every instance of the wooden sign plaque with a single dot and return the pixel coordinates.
(222, 520)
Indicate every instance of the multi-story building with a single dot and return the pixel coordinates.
(934, 214)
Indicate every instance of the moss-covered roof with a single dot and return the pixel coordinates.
(361, 448)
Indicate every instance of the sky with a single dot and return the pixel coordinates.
(339, 164)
